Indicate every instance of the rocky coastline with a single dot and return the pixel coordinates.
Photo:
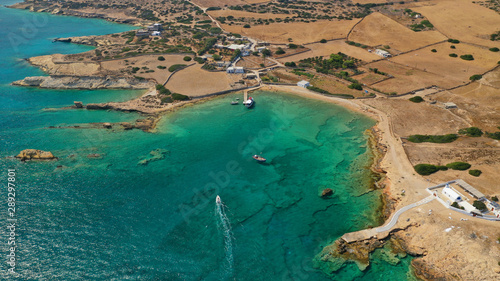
(83, 82)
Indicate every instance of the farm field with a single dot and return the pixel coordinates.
(377, 29)
(300, 32)
(463, 20)
(149, 61)
(449, 67)
(408, 78)
(245, 14)
(333, 47)
(205, 83)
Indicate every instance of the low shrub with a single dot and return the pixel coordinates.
(454, 41)
(246, 26)
(494, 198)
(161, 67)
(467, 57)
(434, 50)
(322, 41)
(425, 169)
(433, 138)
(471, 132)
(494, 49)
(475, 173)
(453, 55)
(167, 99)
(175, 67)
(442, 168)
(187, 58)
(161, 58)
(180, 97)
(416, 99)
(461, 166)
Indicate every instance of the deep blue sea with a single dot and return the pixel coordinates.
(116, 218)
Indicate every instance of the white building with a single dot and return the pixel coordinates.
(383, 53)
(468, 207)
(492, 206)
(449, 105)
(237, 69)
(303, 84)
(236, 46)
(451, 194)
(156, 33)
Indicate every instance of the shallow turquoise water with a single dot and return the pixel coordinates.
(113, 219)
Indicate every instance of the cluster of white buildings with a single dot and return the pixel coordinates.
(153, 30)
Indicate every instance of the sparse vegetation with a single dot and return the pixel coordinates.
(454, 41)
(460, 166)
(475, 173)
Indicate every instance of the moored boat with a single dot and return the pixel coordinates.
(234, 102)
(259, 158)
(249, 102)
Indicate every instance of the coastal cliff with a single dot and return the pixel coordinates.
(83, 82)
(86, 40)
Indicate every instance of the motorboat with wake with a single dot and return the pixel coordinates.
(217, 200)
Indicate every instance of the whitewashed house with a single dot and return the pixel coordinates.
(303, 84)
(451, 194)
(383, 53)
(237, 69)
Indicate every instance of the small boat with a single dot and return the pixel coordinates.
(249, 102)
(237, 98)
(259, 158)
(234, 102)
(217, 200)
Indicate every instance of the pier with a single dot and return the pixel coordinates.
(383, 231)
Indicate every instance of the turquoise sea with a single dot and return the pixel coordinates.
(113, 218)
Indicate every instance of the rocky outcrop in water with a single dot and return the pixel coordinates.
(86, 40)
(35, 154)
(83, 82)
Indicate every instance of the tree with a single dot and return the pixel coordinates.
(280, 51)
(495, 49)
(322, 41)
(476, 77)
(433, 50)
(246, 26)
(187, 58)
(479, 205)
(160, 58)
(356, 86)
(416, 99)
(266, 52)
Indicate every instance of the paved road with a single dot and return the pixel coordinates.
(372, 232)
(396, 215)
